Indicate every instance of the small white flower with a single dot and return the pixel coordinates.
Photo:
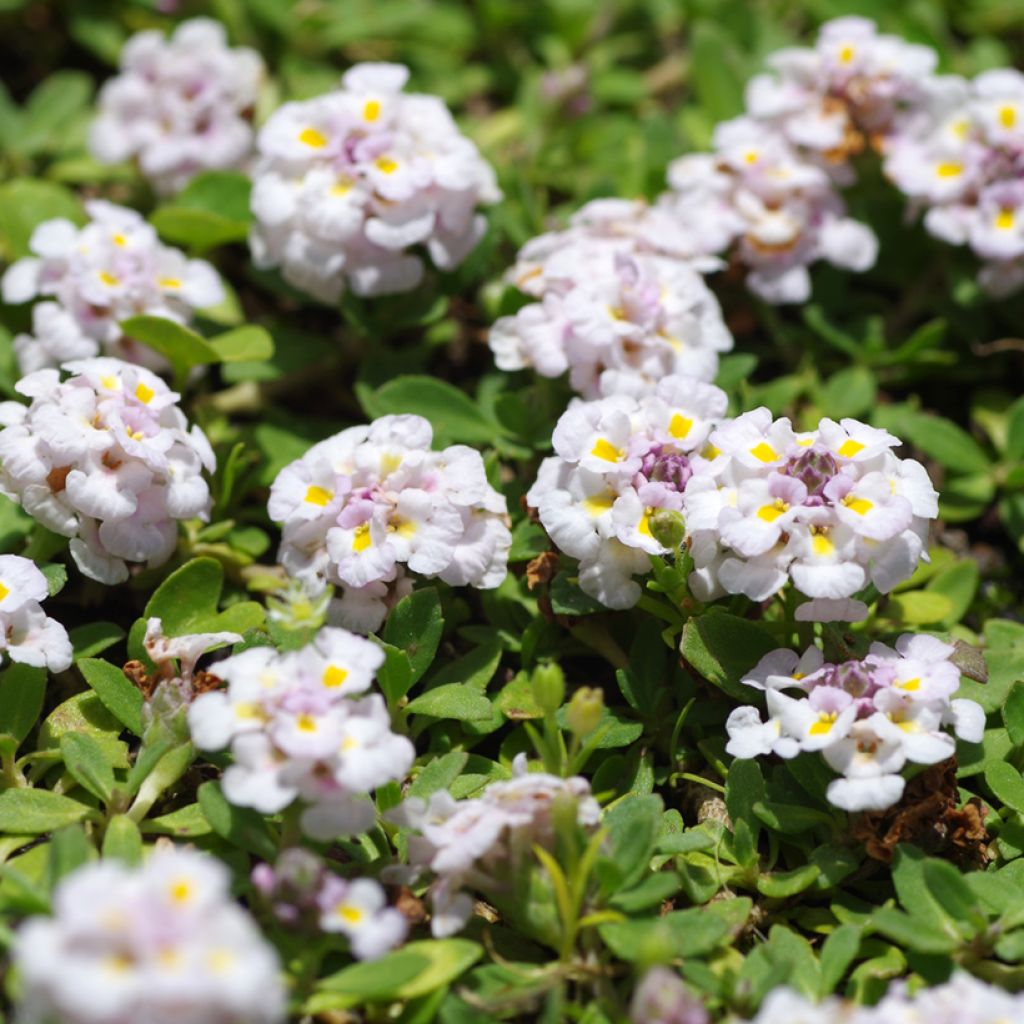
(359, 910)
(27, 634)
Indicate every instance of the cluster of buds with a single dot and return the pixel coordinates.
(105, 457)
(299, 729)
(27, 633)
(304, 894)
(348, 183)
(832, 510)
(163, 943)
(612, 494)
(961, 1000)
(480, 843)
(92, 278)
(620, 303)
(365, 505)
(961, 160)
(867, 718)
(180, 105)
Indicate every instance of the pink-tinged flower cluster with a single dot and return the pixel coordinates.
(620, 303)
(27, 633)
(621, 466)
(831, 510)
(768, 193)
(961, 1000)
(163, 943)
(962, 161)
(350, 185)
(364, 506)
(180, 105)
(106, 458)
(479, 843)
(772, 209)
(867, 717)
(305, 894)
(92, 278)
(301, 726)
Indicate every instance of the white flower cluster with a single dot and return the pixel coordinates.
(619, 463)
(961, 159)
(618, 305)
(475, 843)
(27, 633)
(776, 211)
(347, 183)
(831, 509)
(365, 505)
(868, 718)
(106, 458)
(298, 729)
(92, 278)
(961, 1000)
(163, 943)
(180, 105)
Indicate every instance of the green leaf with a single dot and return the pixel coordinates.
(789, 819)
(24, 204)
(56, 577)
(1006, 782)
(680, 933)
(243, 344)
(122, 840)
(213, 209)
(953, 894)
(718, 73)
(958, 583)
(69, 849)
(52, 105)
(186, 602)
(1013, 713)
(94, 638)
(120, 697)
(394, 677)
(568, 599)
(1004, 656)
(632, 826)
(240, 826)
(453, 700)
(723, 648)
(438, 774)
(22, 692)
(87, 762)
(1015, 432)
(415, 626)
(782, 884)
(850, 392)
(948, 444)
(838, 952)
(34, 811)
(185, 823)
(919, 607)
(407, 973)
(182, 347)
(454, 416)
(909, 931)
(474, 670)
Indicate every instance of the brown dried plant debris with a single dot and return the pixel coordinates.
(136, 671)
(928, 816)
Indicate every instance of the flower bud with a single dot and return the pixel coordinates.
(585, 711)
(668, 527)
(548, 684)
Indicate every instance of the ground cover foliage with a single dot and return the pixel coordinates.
(542, 811)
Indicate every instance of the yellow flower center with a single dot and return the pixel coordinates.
(306, 723)
(859, 505)
(769, 513)
(144, 393)
(361, 538)
(318, 496)
(764, 451)
(1005, 220)
(348, 913)
(949, 169)
(604, 449)
(599, 504)
(1008, 115)
(849, 448)
(371, 110)
(824, 723)
(313, 138)
(169, 282)
(386, 164)
(4, 591)
(107, 278)
(679, 426)
(334, 677)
